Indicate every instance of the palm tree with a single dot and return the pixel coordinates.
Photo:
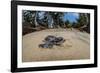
(56, 16)
(35, 19)
(87, 28)
(30, 17)
(83, 23)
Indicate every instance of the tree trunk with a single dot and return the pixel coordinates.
(36, 23)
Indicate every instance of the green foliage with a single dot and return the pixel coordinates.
(57, 18)
(82, 20)
(28, 16)
(32, 18)
(68, 24)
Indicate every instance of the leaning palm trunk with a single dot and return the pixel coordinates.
(87, 20)
(36, 23)
(50, 21)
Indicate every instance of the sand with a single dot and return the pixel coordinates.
(76, 46)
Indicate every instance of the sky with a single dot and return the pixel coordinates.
(71, 16)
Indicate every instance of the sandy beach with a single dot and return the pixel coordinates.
(76, 46)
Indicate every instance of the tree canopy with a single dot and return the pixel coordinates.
(55, 19)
